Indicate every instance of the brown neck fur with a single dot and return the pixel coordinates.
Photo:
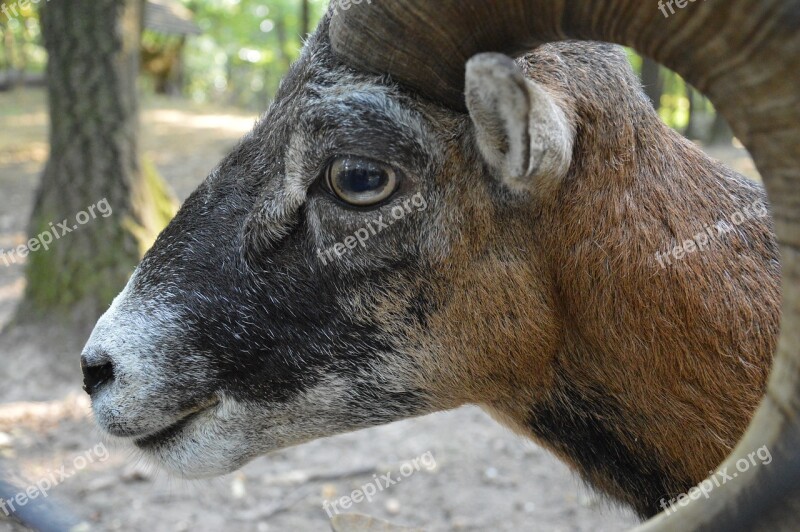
(642, 377)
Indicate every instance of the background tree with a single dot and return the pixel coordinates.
(93, 48)
(652, 82)
(246, 48)
(305, 18)
(721, 133)
(692, 130)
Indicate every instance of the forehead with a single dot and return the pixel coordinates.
(322, 98)
(325, 109)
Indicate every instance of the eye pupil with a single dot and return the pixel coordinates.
(360, 181)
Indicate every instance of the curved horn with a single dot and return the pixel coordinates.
(745, 55)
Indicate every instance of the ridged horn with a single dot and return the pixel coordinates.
(745, 56)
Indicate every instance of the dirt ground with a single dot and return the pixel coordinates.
(485, 477)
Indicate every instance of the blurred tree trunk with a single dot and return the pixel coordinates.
(652, 81)
(280, 33)
(721, 133)
(305, 18)
(692, 130)
(93, 48)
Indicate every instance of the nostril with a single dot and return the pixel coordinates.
(96, 373)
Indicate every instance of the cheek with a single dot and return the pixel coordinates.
(495, 337)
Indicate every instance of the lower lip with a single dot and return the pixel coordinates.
(169, 433)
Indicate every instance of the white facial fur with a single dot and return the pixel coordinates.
(218, 434)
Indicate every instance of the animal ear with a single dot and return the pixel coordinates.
(521, 131)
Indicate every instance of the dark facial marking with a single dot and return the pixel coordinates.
(588, 427)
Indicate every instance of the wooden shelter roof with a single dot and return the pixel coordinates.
(170, 17)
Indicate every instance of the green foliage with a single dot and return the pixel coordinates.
(675, 106)
(247, 46)
(20, 36)
(245, 49)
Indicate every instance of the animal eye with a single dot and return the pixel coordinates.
(361, 182)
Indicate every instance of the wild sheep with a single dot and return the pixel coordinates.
(530, 284)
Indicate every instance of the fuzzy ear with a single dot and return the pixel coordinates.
(521, 131)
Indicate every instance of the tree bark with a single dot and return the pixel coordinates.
(93, 48)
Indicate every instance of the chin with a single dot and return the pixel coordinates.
(204, 445)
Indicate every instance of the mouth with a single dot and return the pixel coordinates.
(173, 432)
